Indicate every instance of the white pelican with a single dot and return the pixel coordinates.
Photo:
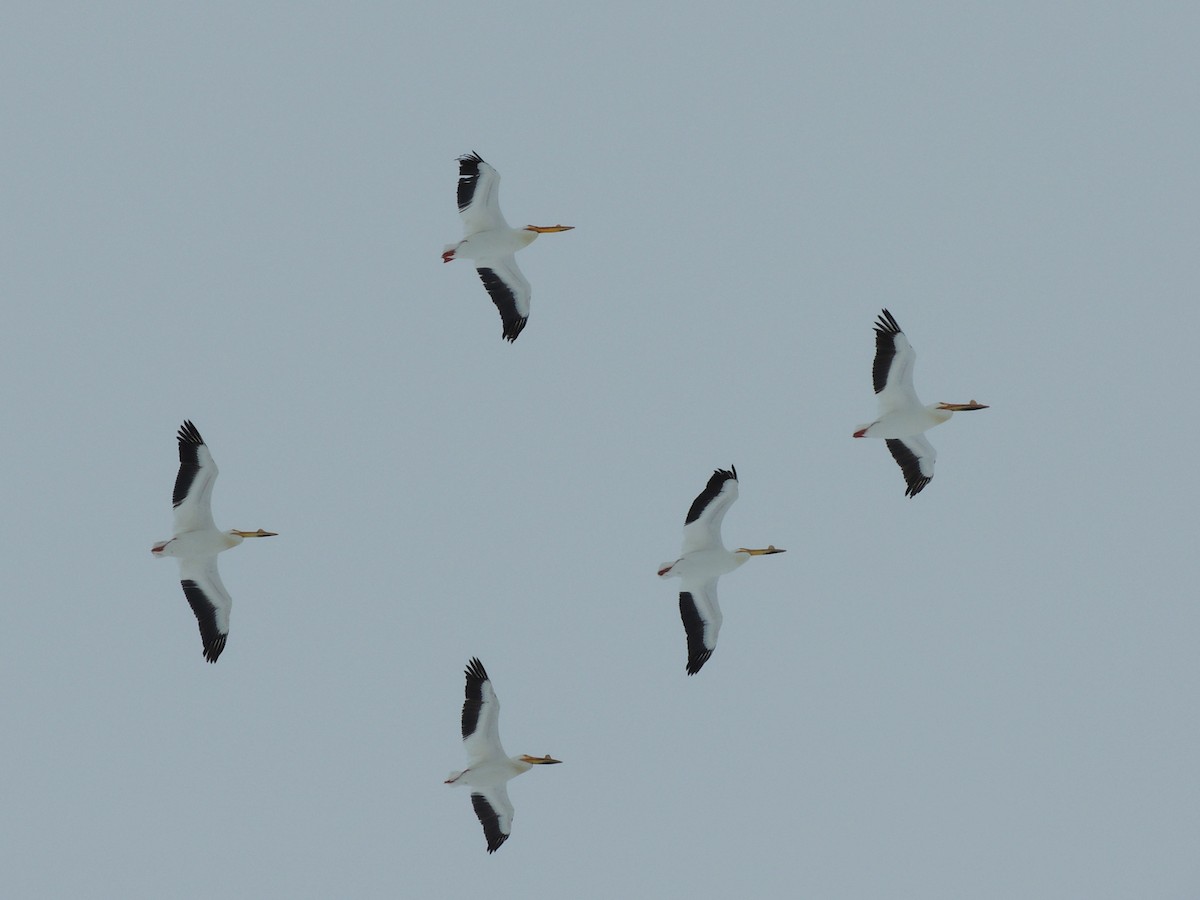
(197, 541)
(902, 419)
(489, 769)
(489, 240)
(704, 560)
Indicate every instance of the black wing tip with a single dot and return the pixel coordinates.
(696, 663)
(915, 487)
(213, 649)
(886, 324)
(189, 442)
(468, 178)
(475, 669)
(716, 481)
(513, 330)
(188, 433)
(494, 845)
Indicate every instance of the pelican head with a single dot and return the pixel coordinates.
(259, 533)
(548, 229)
(767, 552)
(538, 760)
(959, 407)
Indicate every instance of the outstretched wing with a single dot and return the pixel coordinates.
(916, 457)
(893, 369)
(478, 195)
(509, 291)
(701, 615)
(209, 601)
(702, 527)
(495, 814)
(480, 716)
(194, 483)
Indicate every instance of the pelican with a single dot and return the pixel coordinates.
(197, 541)
(704, 560)
(492, 243)
(489, 769)
(902, 419)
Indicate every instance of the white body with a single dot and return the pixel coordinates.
(489, 768)
(196, 544)
(491, 243)
(494, 245)
(197, 541)
(704, 559)
(903, 419)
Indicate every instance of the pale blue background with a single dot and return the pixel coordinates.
(234, 212)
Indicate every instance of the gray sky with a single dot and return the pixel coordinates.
(235, 215)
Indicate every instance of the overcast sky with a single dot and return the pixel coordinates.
(234, 212)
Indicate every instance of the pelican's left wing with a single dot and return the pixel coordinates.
(701, 615)
(194, 483)
(480, 716)
(495, 814)
(209, 601)
(509, 291)
(478, 195)
(702, 527)
(916, 457)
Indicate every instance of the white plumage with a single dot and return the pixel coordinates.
(902, 419)
(702, 561)
(197, 541)
(489, 769)
(492, 243)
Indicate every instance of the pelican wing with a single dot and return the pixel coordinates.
(194, 483)
(495, 813)
(701, 616)
(916, 457)
(481, 717)
(702, 527)
(893, 369)
(209, 601)
(509, 291)
(478, 195)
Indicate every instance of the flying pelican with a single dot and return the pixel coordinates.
(197, 541)
(704, 560)
(489, 770)
(489, 240)
(902, 419)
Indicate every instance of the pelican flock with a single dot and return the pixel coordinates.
(492, 243)
(489, 769)
(702, 561)
(197, 541)
(902, 419)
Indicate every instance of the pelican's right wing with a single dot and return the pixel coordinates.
(702, 527)
(478, 195)
(480, 716)
(194, 483)
(893, 370)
